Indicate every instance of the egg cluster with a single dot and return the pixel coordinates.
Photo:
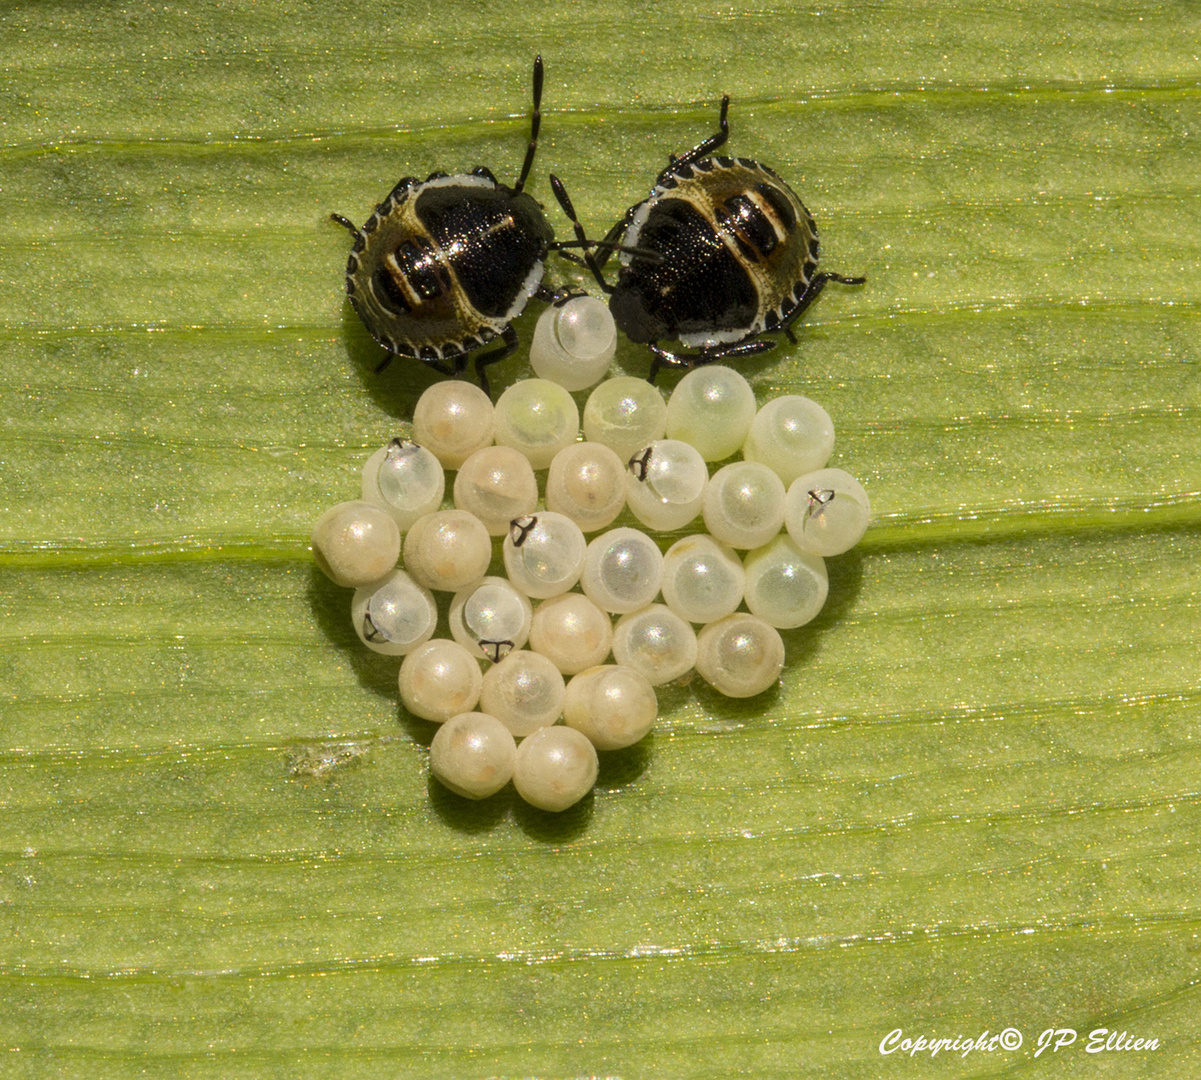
(532, 647)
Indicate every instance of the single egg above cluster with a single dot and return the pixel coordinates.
(574, 342)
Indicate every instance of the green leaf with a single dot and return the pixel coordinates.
(972, 803)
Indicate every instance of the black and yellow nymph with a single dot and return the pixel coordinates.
(444, 265)
(720, 252)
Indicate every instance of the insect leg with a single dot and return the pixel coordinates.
(509, 336)
(705, 356)
(558, 297)
(811, 293)
(702, 150)
(570, 257)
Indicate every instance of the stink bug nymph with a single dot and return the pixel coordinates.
(444, 265)
(721, 252)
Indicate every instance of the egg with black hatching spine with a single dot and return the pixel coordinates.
(666, 486)
(405, 479)
(827, 511)
(395, 615)
(544, 554)
(574, 342)
(490, 618)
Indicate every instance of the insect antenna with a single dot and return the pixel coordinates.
(605, 245)
(535, 125)
(565, 202)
